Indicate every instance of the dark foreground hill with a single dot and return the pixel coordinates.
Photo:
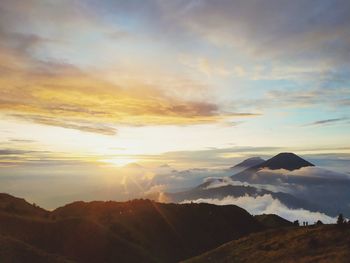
(134, 231)
(12, 250)
(327, 243)
(19, 206)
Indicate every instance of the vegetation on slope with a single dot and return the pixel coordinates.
(327, 243)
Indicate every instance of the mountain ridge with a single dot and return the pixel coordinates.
(134, 231)
(247, 163)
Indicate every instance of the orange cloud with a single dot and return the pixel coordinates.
(62, 95)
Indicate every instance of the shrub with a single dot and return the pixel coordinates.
(340, 220)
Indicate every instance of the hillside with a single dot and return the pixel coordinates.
(134, 231)
(171, 232)
(12, 250)
(250, 162)
(19, 206)
(327, 243)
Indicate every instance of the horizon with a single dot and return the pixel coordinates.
(113, 100)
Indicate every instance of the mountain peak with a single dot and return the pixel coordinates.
(286, 160)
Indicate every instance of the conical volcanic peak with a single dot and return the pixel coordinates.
(287, 161)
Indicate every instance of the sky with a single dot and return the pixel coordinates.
(87, 87)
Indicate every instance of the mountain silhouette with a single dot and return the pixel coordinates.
(19, 206)
(146, 231)
(287, 161)
(281, 161)
(132, 231)
(247, 163)
(219, 188)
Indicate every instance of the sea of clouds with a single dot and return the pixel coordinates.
(266, 204)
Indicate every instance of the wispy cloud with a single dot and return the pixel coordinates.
(68, 123)
(326, 122)
(62, 94)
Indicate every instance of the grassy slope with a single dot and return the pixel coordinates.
(327, 243)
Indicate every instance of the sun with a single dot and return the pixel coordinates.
(119, 162)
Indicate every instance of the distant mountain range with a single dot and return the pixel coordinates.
(202, 192)
(281, 161)
(297, 183)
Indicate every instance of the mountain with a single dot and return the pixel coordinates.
(281, 161)
(169, 232)
(247, 163)
(133, 231)
(327, 243)
(327, 190)
(287, 161)
(75, 239)
(255, 181)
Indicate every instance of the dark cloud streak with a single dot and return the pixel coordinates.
(326, 122)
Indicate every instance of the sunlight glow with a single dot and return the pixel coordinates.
(119, 162)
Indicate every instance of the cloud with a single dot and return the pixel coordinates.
(17, 140)
(52, 71)
(266, 204)
(63, 95)
(315, 96)
(263, 29)
(13, 152)
(270, 29)
(326, 122)
(84, 126)
(274, 45)
(216, 182)
(54, 90)
(310, 171)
